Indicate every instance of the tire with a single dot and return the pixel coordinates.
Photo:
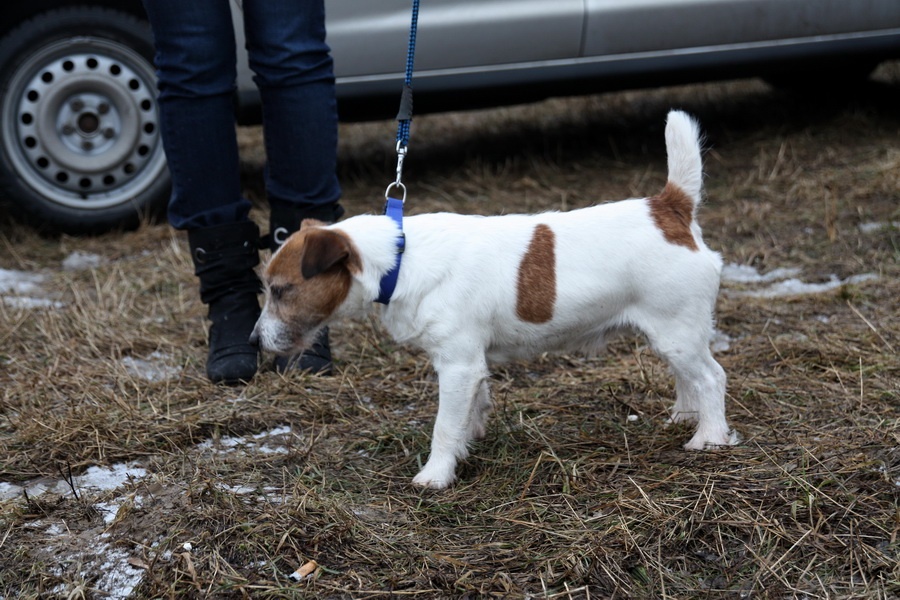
(79, 122)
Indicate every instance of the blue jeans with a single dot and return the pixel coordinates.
(196, 63)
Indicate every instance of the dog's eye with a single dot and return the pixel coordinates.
(277, 291)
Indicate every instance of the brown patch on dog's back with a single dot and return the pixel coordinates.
(673, 211)
(536, 286)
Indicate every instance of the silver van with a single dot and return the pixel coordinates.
(79, 141)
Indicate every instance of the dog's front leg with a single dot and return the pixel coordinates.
(462, 385)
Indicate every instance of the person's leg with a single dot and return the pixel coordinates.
(294, 74)
(195, 58)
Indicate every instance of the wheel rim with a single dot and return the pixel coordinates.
(83, 123)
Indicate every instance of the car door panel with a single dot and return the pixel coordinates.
(452, 34)
(634, 26)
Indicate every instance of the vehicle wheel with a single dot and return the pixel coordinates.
(79, 123)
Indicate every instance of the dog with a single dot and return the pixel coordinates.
(473, 290)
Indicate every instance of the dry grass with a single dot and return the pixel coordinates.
(579, 490)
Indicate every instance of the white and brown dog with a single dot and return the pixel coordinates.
(475, 289)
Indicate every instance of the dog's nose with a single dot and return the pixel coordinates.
(254, 338)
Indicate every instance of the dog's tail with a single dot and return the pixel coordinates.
(683, 149)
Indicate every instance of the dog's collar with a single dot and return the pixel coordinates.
(394, 209)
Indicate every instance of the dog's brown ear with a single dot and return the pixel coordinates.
(322, 251)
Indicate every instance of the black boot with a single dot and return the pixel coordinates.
(283, 221)
(316, 359)
(224, 259)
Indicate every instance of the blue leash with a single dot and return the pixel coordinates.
(393, 207)
(404, 115)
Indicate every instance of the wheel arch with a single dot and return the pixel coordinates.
(15, 13)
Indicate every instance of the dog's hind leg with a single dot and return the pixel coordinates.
(481, 409)
(460, 416)
(699, 382)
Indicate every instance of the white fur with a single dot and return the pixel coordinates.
(456, 299)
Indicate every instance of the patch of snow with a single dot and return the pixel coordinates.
(25, 289)
(251, 443)
(79, 261)
(283, 430)
(93, 480)
(20, 282)
(9, 490)
(796, 287)
(876, 226)
(783, 281)
(117, 577)
(108, 478)
(154, 368)
(109, 510)
(735, 273)
(248, 489)
(28, 302)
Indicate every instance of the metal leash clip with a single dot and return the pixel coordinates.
(397, 183)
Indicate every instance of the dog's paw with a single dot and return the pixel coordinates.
(704, 440)
(435, 477)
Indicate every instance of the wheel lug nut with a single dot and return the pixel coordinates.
(108, 133)
(77, 105)
(87, 145)
(68, 129)
(103, 108)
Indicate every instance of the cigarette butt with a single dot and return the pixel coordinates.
(305, 571)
